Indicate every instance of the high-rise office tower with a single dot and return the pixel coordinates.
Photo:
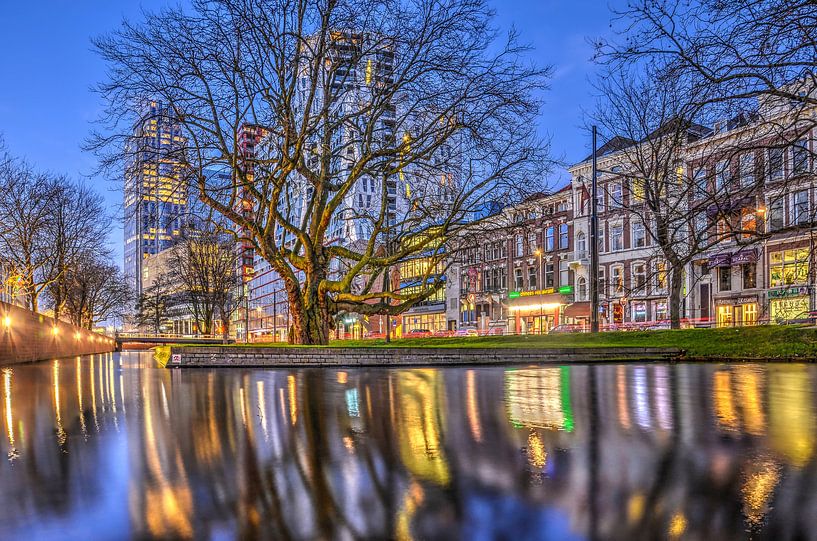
(156, 196)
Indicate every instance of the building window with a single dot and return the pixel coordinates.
(637, 187)
(581, 244)
(701, 227)
(661, 311)
(616, 238)
(533, 243)
(617, 279)
(639, 312)
(661, 275)
(639, 278)
(549, 275)
(549, 238)
(639, 239)
(563, 238)
(776, 214)
(724, 278)
(723, 177)
(532, 277)
(700, 180)
(581, 289)
(749, 276)
(747, 170)
(788, 267)
(520, 283)
(748, 223)
(799, 208)
(602, 285)
(615, 195)
(601, 237)
(800, 157)
(564, 273)
(775, 163)
(487, 283)
(520, 246)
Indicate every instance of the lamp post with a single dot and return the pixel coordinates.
(538, 253)
(594, 245)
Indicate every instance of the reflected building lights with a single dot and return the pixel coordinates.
(760, 480)
(262, 407)
(748, 387)
(78, 372)
(7, 373)
(642, 398)
(472, 405)
(621, 393)
(293, 399)
(663, 400)
(62, 437)
(537, 456)
(724, 405)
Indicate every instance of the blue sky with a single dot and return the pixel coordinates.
(47, 106)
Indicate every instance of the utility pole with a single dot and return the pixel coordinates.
(594, 245)
(386, 275)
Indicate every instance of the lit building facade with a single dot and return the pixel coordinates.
(156, 198)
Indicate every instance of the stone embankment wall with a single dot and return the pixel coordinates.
(26, 336)
(286, 357)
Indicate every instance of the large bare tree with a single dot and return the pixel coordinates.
(417, 103)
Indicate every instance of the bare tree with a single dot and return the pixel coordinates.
(76, 228)
(415, 103)
(95, 291)
(152, 306)
(669, 175)
(204, 270)
(25, 215)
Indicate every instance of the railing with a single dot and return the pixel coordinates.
(147, 336)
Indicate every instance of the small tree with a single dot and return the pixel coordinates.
(203, 267)
(96, 291)
(153, 304)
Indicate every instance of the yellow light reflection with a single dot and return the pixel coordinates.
(7, 373)
(724, 404)
(677, 525)
(748, 388)
(293, 399)
(537, 456)
(472, 405)
(758, 488)
(419, 424)
(791, 417)
(55, 373)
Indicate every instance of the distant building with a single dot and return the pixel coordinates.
(155, 196)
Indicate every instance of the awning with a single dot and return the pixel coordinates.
(577, 309)
(748, 255)
(720, 260)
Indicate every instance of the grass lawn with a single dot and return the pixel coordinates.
(767, 341)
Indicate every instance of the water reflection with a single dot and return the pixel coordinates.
(103, 447)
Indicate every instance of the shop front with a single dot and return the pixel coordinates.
(789, 304)
(736, 311)
(430, 319)
(536, 312)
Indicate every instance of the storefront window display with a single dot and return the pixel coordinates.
(788, 267)
(661, 311)
(431, 322)
(639, 312)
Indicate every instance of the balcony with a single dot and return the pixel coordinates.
(579, 259)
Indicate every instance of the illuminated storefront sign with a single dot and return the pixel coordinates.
(548, 291)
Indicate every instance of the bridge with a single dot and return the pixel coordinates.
(166, 338)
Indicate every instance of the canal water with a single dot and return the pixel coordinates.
(110, 447)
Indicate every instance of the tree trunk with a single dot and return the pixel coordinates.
(310, 319)
(676, 286)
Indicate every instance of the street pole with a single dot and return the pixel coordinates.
(594, 245)
(386, 277)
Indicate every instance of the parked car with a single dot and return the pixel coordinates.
(468, 331)
(565, 328)
(417, 333)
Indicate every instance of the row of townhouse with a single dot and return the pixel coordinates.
(750, 258)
